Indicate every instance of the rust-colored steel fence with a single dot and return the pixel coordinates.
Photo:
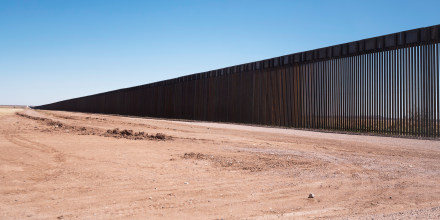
(385, 85)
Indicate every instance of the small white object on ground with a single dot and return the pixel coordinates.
(186, 183)
(311, 196)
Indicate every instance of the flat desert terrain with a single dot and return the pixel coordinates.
(62, 165)
(8, 110)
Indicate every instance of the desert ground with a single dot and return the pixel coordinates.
(7, 110)
(63, 165)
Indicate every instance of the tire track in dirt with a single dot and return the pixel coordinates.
(48, 169)
(13, 137)
(21, 141)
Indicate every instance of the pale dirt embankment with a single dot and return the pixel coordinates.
(8, 110)
(87, 166)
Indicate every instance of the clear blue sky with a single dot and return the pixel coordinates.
(56, 50)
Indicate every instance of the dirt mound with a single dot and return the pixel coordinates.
(95, 118)
(36, 118)
(59, 126)
(198, 156)
(116, 133)
(130, 134)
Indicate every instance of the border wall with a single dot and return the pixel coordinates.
(386, 85)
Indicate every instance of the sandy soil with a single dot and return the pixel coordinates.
(61, 165)
(8, 110)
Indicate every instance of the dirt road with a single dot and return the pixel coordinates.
(86, 166)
